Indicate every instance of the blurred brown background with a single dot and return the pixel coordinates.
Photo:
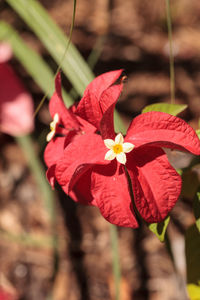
(132, 35)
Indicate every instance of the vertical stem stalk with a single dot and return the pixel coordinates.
(115, 260)
(26, 144)
(171, 56)
(92, 60)
(36, 167)
(137, 214)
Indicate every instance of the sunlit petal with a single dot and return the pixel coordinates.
(119, 139)
(50, 135)
(109, 143)
(56, 118)
(110, 155)
(121, 158)
(128, 147)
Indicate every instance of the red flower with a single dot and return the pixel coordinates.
(93, 168)
(16, 105)
(67, 124)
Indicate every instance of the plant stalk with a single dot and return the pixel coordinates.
(115, 260)
(171, 55)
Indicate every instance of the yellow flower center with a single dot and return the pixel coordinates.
(52, 126)
(117, 148)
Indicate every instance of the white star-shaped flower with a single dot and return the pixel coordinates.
(53, 126)
(117, 149)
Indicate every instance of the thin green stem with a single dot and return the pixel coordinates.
(137, 214)
(27, 146)
(96, 51)
(36, 167)
(169, 250)
(172, 89)
(61, 61)
(171, 56)
(26, 239)
(115, 260)
(92, 60)
(70, 37)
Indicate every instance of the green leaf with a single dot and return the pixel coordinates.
(193, 291)
(73, 65)
(31, 61)
(159, 229)
(196, 208)
(192, 250)
(198, 133)
(172, 109)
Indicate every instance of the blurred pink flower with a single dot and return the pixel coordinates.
(5, 52)
(4, 295)
(16, 104)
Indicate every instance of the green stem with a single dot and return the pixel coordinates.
(169, 250)
(92, 60)
(36, 167)
(172, 88)
(171, 56)
(115, 260)
(26, 239)
(96, 51)
(27, 146)
(61, 61)
(137, 214)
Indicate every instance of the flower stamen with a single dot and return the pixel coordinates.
(53, 126)
(117, 148)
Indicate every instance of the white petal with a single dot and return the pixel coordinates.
(121, 158)
(56, 118)
(119, 139)
(110, 155)
(50, 135)
(128, 147)
(109, 143)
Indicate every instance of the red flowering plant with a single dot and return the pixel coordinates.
(96, 166)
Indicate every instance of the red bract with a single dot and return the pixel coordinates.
(16, 105)
(93, 168)
(67, 124)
